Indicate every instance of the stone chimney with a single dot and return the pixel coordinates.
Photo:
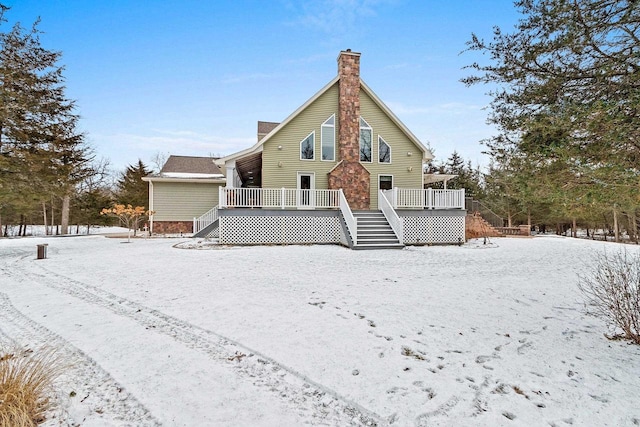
(349, 174)
(349, 106)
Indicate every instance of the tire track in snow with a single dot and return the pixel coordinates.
(292, 386)
(101, 394)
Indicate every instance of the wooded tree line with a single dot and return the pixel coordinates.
(48, 172)
(565, 88)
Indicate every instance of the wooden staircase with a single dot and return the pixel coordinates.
(374, 232)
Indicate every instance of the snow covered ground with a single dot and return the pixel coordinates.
(39, 230)
(281, 336)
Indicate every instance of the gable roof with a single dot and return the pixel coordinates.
(190, 165)
(188, 169)
(256, 148)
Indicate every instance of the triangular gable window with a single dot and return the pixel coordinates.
(307, 147)
(366, 135)
(384, 151)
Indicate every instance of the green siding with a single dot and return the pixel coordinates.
(289, 138)
(182, 201)
(400, 145)
(310, 119)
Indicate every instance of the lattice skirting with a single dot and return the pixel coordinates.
(215, 233)
(425, 230)
(257, 230)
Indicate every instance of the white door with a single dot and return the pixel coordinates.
(305, 193)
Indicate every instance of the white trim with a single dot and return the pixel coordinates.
(151, 207)
(197, 180)
(312, 184)
(231, 173)
(313, 179)
(190, 175)
(313, 133)
(425, 151)
(360, 128)
(385, 174)
(380, 138)
(333, 126)
(258, 146)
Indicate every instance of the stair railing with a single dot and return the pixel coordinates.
(352, 224)
(472, 205)
(205, 220)
(392, 217)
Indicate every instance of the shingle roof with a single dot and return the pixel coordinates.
(191, 165)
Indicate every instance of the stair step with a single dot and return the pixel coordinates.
(360, 247)
(374, 232)
(377, 239)
(388, 232)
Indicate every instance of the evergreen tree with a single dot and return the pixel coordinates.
(131, 189)
(42, 156)
(468, 178)
(567, 102)
(574, 66)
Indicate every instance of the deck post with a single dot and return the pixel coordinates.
(283, 197)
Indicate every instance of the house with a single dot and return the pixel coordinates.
(342, 168)
(185, 187)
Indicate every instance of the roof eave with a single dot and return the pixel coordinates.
(196, 180)
(258, 146)
(426, 153)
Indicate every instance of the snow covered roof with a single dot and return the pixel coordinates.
(190, 167)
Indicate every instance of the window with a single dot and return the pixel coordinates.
(307, 147)
(365, 141)
(384, 151)
(385, 182)
(328, 139)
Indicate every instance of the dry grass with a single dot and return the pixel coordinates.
(26, 379)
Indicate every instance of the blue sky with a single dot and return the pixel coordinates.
(193, 77)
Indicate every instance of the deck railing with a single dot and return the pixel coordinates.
(390, 214)
(205, 220)
(490, 216)
(352, 224)
(278, 198)
(408, 198)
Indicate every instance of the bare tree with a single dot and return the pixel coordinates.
(612, 292)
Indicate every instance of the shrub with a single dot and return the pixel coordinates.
(612, 292)
(26, 380)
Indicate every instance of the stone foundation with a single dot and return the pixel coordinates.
(172, 227)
